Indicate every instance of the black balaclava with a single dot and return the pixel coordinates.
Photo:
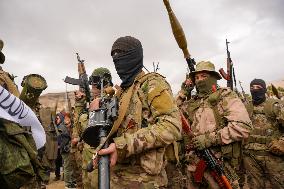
(258, 95)
(128, 60)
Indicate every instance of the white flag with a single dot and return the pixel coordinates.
(13, 109)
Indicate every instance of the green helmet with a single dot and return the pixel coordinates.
(205, 66)
(2, 56)
(100, 72)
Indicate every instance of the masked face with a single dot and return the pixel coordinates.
(128, 65)
(258, 94)
(204, 83)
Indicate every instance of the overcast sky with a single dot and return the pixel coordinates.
(42, 36)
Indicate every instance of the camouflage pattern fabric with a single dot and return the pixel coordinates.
(223, 119)
(83, 153)
(7, 83)
(262, 157)
(151, 123)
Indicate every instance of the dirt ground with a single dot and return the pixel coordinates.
(55, 184)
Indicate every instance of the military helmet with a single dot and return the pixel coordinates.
(2, 56)
(98, 73)
(205, 66)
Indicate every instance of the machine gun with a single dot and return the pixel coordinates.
(83, 81)
(100, 123)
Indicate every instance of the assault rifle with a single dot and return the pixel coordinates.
(100, 123)
(83, 81)
(207, 160)
(245, 100)
(215, 167)
(230, 75)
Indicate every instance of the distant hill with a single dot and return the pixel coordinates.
(48, 103)
(50, 99)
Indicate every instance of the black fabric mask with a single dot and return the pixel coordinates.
(258, 96)
(128, 65)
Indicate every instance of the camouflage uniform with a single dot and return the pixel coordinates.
(151, 122)
(84, 152)
(263, 154)
(218, 119)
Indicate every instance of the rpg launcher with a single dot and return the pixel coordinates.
(179, 36)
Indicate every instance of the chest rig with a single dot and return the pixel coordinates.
(230, 152)
(266, 126)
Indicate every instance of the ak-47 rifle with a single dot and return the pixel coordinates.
(179, 36)
(230, 75)
(83, 81)
(207, 160)
(245, 100)
(215, 168)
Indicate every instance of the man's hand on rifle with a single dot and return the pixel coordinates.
(111, 151)
(207, 140)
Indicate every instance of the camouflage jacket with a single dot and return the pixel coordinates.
(151, 123)
(268, 122)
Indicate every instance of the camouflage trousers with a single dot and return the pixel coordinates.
(263, 171)
(68, 169)
(90, 180)
(76, 158)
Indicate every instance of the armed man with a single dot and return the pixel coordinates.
(263, 154)
(90, 179)
(219, 123)
(148, 121)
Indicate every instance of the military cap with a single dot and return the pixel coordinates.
(206, 66)
(2, 56)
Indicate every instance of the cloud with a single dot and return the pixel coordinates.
(43, 36)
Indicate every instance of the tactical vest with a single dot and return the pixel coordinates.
(266, 126)
(231, 152)
(138, 116)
